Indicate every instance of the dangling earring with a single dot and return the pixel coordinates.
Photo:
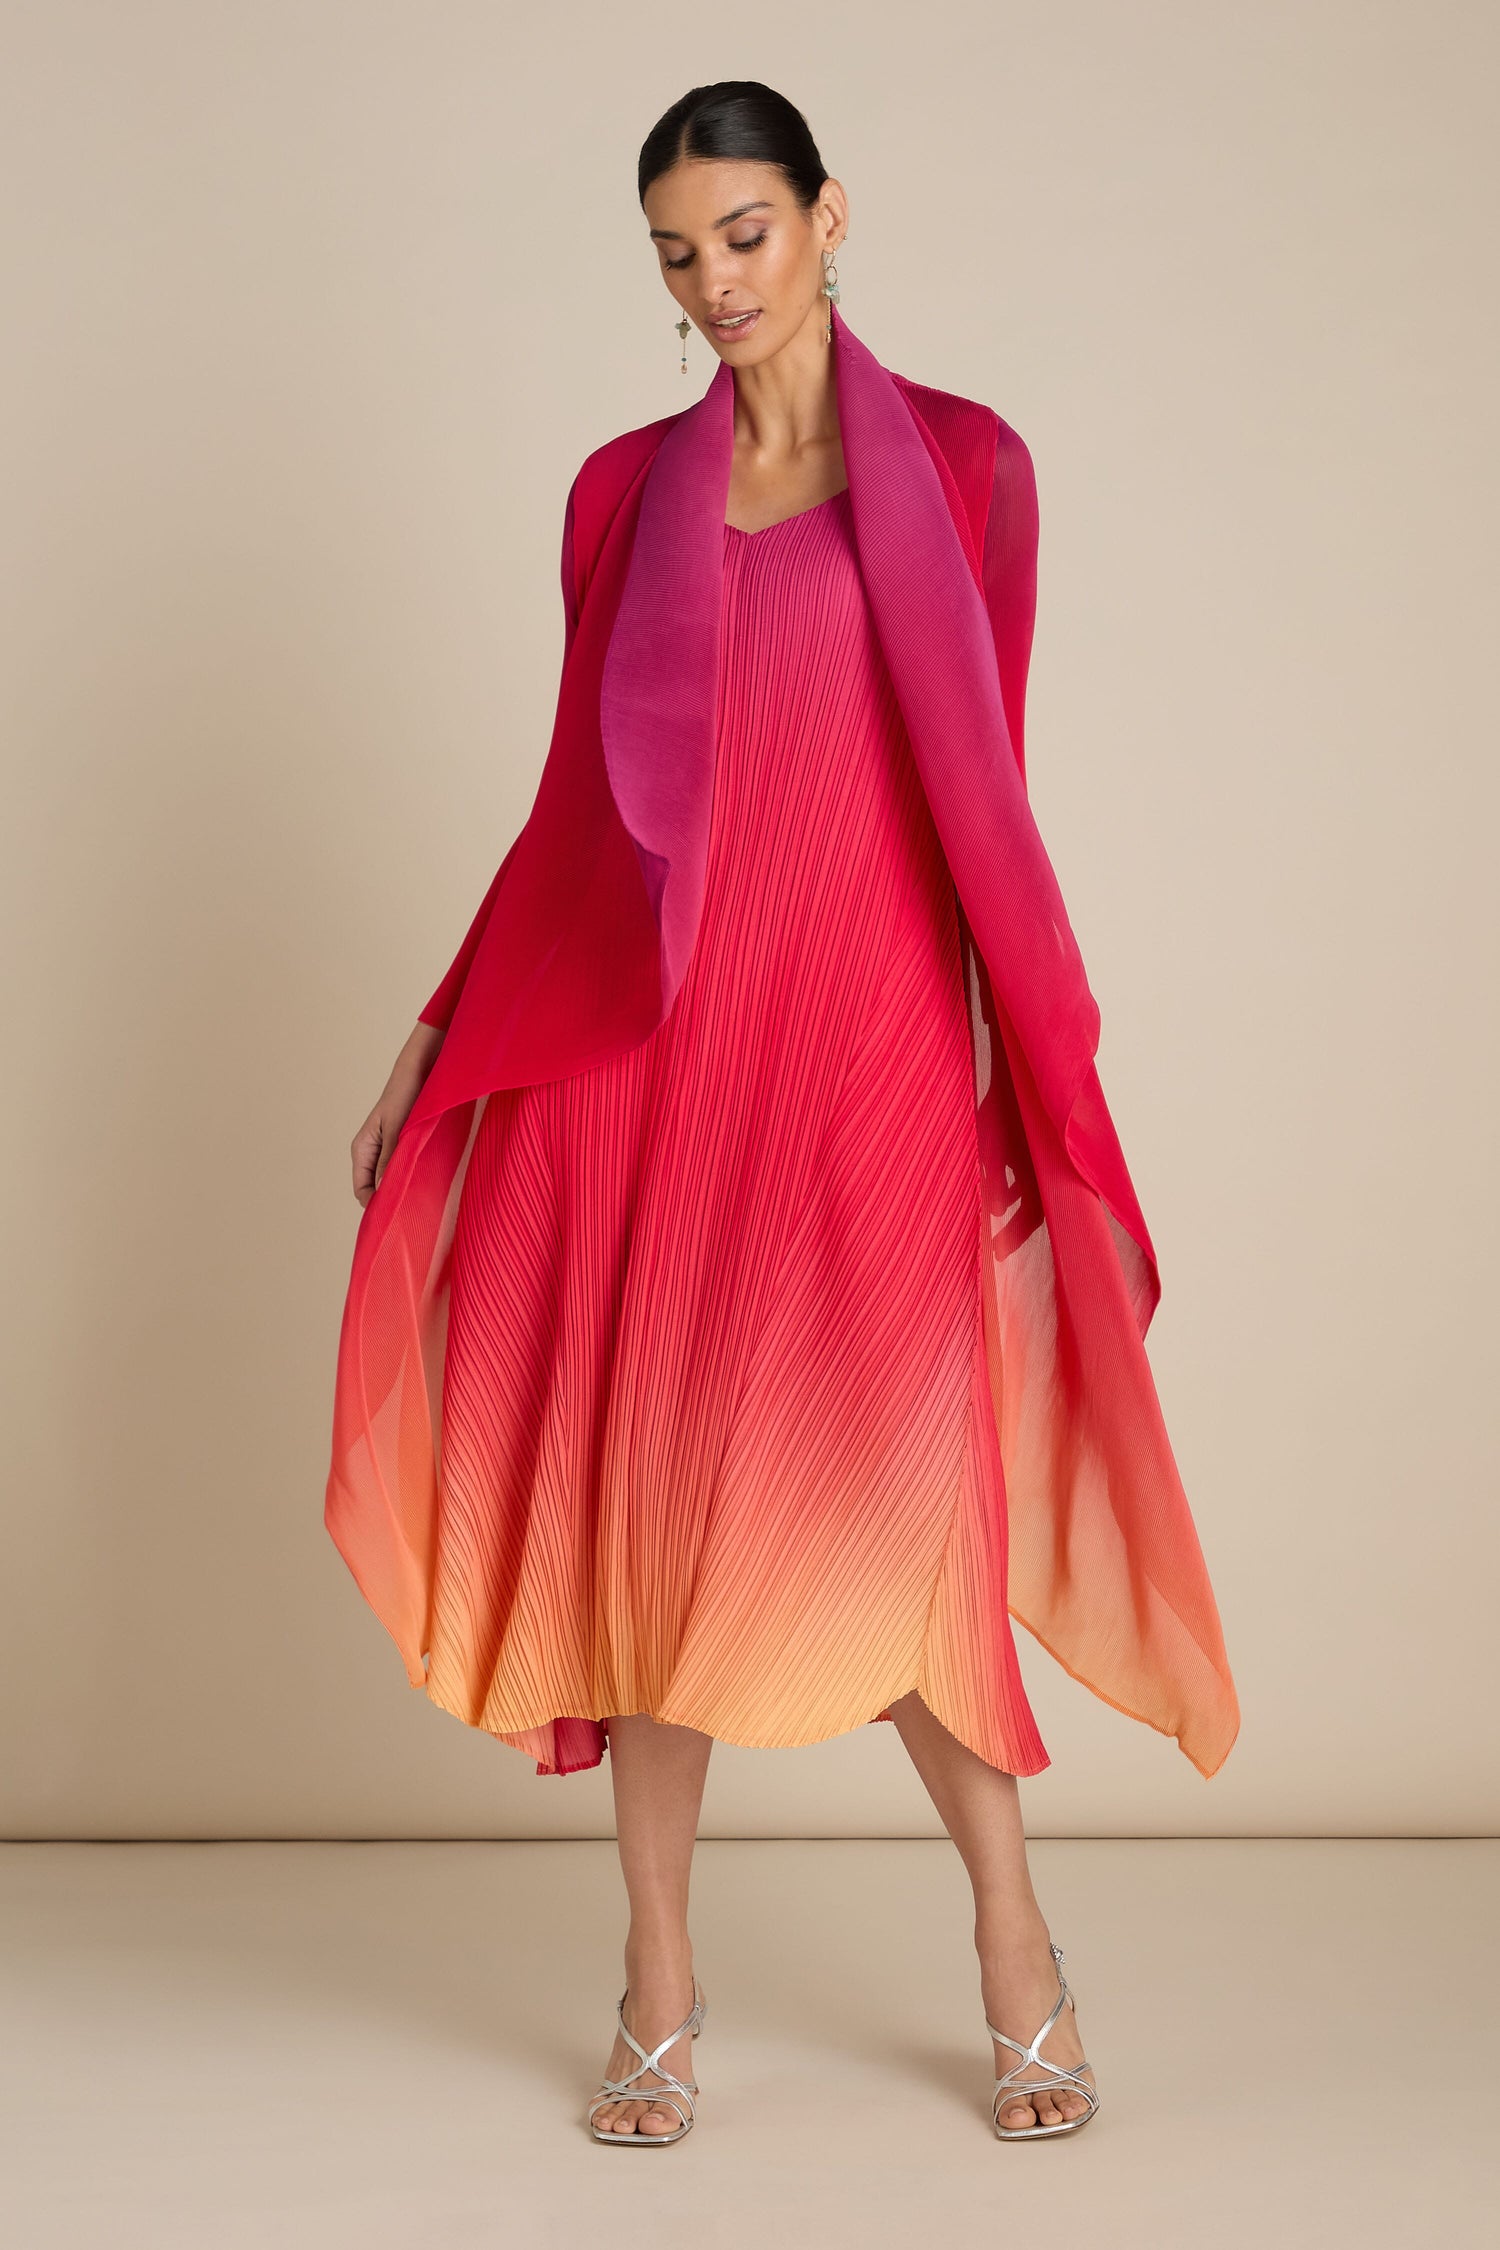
(682, 326)
(830, 291)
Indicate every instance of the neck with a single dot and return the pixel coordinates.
(789, 402)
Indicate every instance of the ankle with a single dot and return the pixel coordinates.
(1016, 1931)
(658, 1952)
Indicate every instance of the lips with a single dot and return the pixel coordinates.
(735, 324)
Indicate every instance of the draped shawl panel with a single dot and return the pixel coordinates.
(580, 944)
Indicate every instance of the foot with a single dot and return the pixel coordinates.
(659, 1994)
(1018, 1984)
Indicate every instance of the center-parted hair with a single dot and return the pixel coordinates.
(737, 119)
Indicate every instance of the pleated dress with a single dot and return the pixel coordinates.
(717, 1439)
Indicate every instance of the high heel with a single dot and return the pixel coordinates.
(1012, 2086)
(677, 2093)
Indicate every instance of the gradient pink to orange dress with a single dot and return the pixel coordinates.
(718, 1438)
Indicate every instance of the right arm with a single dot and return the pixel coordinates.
(372, 1144)
(370, 1150)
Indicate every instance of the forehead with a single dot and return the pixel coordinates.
(701, 195)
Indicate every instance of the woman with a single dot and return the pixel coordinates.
(746, 1315)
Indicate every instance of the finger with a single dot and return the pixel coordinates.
(366, 1156)
(387, 1151)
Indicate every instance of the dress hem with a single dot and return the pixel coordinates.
(734, 1741)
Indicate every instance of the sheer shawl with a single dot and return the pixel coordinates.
(579, 945)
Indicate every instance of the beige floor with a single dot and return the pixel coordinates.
(228, 2045)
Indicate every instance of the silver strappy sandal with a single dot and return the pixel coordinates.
(676, 2093)
(1012, 2085)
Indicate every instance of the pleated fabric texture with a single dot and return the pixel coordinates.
(718, 1434)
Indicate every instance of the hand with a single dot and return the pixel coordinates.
(374, 1143)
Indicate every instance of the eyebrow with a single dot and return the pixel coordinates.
(662, 234)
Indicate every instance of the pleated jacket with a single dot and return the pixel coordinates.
(579, 946)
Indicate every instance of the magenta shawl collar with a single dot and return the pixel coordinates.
(660, 674)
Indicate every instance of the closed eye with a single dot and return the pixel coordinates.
(675, 265)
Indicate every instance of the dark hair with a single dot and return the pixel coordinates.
(737, 118)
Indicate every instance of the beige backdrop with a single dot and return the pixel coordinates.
(311, 312)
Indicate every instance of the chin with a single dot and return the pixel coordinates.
(764, 342)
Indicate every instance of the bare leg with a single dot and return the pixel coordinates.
(981, 1810)
(658, 1773)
